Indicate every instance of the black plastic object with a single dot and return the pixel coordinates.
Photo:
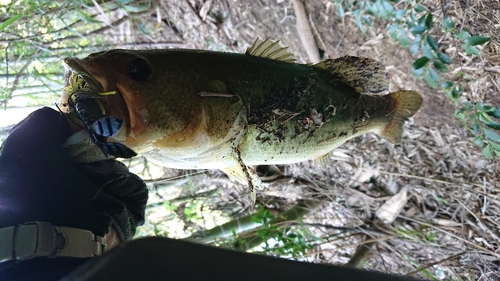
(157, 258)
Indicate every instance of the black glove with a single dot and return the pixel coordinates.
(39, 182)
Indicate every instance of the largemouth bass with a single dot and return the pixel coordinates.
(196, 109)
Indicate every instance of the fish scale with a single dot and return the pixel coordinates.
(193, 109)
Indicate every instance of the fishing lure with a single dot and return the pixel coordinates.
(90, 111)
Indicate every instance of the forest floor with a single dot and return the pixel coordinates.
(448, 228)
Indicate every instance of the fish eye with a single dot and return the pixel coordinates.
(140, 69)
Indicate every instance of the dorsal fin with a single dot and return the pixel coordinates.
(270, 49)
(365, 75)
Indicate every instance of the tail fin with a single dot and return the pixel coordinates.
(407, 103)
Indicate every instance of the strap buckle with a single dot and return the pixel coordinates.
(42, 239)
(80, 243)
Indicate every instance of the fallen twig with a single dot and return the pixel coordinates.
(305, 32)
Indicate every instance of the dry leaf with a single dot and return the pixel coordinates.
(392, 207)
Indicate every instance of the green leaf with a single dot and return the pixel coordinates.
(400, 13)
(492, 125)
(475, 127)
(494, 145)
(414, 47)
(433, 43)
(419, 73)
(137, 7)
(481, 107)
(403, 38)
(476, 40)
(427, 51)
(418, 29)
(393, 28)
(340, 11)
(357, 16)
(491, 135)
(10, 21)
(143, 29)
(421, 20)
(496, 112)
(448, 23)
(419, 8)
(483, 117)
(470, 50)
(367, 20)
(460, 114)
(419, 63)
(441, 67)
(479, 141)
(87, 17)
(430, 80)
(446, 84)
(487, 152)
(486, 119)
(428, 21)
(394, 35)
(388, 7)
(433, 73)
(463, 34)
(488, 108)
(412, 18)
(444, 58)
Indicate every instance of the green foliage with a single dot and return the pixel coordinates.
(9, 21)
(484, 122)
(36, 35)
(422, 235)
(192, 211)
(159, 231)
(432, 63)
(279, 240)
(288, 241)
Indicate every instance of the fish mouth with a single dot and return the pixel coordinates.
(75, 67)
(98, 84)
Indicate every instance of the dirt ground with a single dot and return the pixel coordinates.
(450, 224)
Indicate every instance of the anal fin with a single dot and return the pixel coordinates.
(323, 160)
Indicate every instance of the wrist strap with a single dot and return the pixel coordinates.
(42, 239)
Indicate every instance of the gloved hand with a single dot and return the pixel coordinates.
(39, 182)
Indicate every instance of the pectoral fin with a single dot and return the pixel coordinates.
(223, 114)
(365, 75)
(244, 174)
